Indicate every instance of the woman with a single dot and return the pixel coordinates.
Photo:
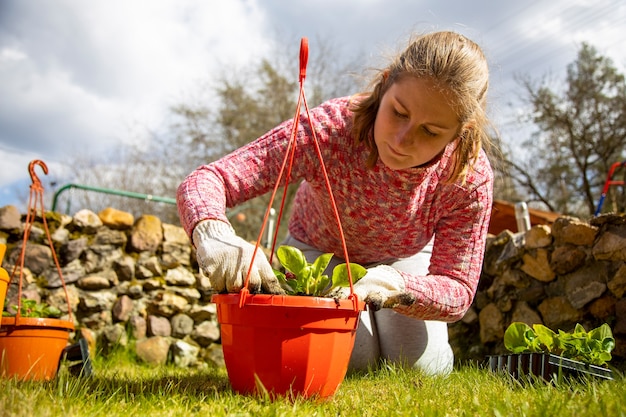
(413, 186)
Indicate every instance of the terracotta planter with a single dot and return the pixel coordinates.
(31, 348)
(286, 345)
(546, 366)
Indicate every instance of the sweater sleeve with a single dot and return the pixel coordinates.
(447, 292)
(247, 172)
(255, 168)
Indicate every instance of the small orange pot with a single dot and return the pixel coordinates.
(4, 277)
(286, 345)
(31, 348)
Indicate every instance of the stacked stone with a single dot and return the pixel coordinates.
(131, 283)
(572, 272)
(135, 284)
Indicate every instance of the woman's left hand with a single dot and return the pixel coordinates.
(381, 287)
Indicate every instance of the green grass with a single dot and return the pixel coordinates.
(121, 387)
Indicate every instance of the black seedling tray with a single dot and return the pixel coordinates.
(545, 365)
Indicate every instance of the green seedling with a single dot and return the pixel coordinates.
(30, 308)
(304, 278)
(593, 347)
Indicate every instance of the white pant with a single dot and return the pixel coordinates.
(393, 337)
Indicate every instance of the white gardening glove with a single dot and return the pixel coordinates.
(225, 258)
(382, 287)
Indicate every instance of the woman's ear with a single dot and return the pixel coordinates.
(466, 128)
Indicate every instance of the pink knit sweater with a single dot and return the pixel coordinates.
(385, 214)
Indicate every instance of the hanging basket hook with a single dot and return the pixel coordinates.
(33, 175)
(35, 201)
(304, 58)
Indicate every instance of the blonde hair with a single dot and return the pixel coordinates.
(455, 64)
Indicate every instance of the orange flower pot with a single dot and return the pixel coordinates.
(4, 277)
(31, 348)
(286, 345)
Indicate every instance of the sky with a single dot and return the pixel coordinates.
(86, 77)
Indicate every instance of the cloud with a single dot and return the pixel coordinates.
(78, 77)
(74, 75)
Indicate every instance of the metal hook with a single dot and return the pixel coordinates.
(33, 175)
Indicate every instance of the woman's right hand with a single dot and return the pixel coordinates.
(225, 259)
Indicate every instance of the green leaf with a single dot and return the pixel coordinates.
(51, 311)
(309, 278)
(292, 259)
(516, 337)
(608, 344)
(320, 264)
(546, 338)
(534, 343)
(30, 308)
(305, 279)
(341, 278)
(604, 335)
(321, 285)
(602, 358)
(592, 347)
(579, 331)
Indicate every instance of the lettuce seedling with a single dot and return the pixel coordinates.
(31, 308)
(593, 347)
(304, 278)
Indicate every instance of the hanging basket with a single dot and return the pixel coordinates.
(31, 348)
(286, 345)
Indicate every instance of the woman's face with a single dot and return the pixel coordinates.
(414, 123)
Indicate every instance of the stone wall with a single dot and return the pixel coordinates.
(130, 283)
(572, 272)
(134, 283)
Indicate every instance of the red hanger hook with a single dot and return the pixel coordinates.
(33, 175)
(304, 58)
